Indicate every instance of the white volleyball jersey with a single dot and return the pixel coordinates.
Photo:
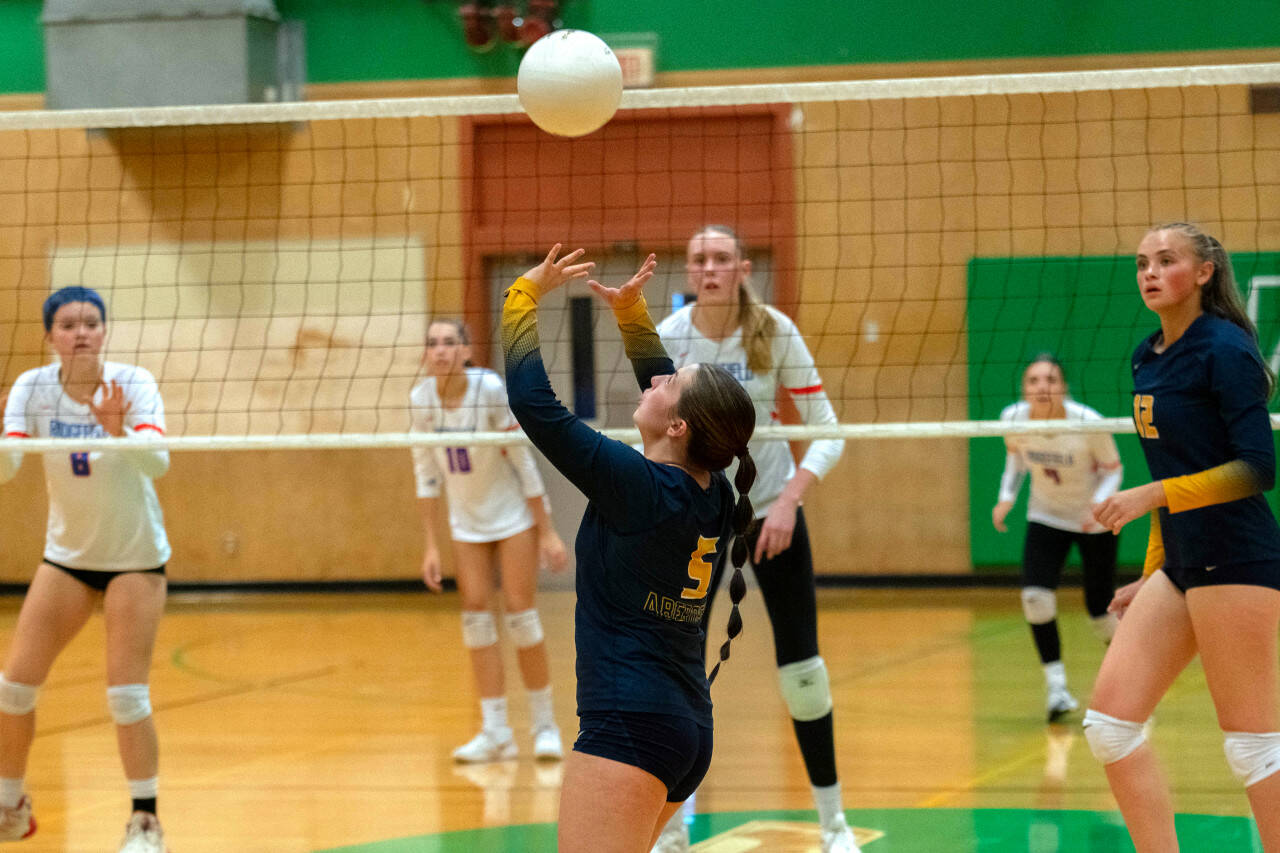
(792, 370)
(1070, 472)
(489, 486)
(103, 510)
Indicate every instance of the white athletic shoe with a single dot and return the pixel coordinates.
(837, 837)
(16, 823)
(674, 839)
(143, 835)
(487, 746)
(547, 745)
(1059, 703)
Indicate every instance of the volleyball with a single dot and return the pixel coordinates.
(569, 83)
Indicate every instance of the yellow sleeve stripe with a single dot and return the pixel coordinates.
(1155, 548)
(1229, 482)
(639, 336)
(520, 321)
(636, 312)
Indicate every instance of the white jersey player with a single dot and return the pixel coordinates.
(791, 370)
(497, 515)
(760, 346)
(489, 486)
(1070, 473)
(105, 545)
(103, 511)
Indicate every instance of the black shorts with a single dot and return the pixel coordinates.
(1259, 573)
(1044, 553)
(95, 579)
(674, 749)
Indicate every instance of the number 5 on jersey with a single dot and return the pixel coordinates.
(700, 568)
(1144, 411)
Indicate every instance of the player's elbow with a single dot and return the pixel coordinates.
(1265, 474)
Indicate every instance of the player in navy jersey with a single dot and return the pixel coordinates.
(1070, 474)
(497, 516)
(728, 325)
(1211, 584)
(105, 544)
(657, 525)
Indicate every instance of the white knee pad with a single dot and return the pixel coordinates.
(17, 699)
(129, 703)
(806, 689)
(478, 629)
(1039, 604)
(525, 628)
(1111, 739)
(1253, 757)
(1104, 626)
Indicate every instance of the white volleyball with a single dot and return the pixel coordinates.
(569, 82)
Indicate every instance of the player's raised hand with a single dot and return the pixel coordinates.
(625, 296)
(113, 408)
(552, 273)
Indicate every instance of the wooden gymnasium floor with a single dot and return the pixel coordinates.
(302, 723)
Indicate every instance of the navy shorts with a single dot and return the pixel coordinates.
(1259, 573)
(675, 749)
(98, 580)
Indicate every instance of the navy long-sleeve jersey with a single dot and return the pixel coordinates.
(649, 540)
(1200, 409)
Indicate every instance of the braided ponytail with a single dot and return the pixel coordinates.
(743, 521)
(721, 420)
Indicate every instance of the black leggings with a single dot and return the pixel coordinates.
(1045, 553)
(790, 596)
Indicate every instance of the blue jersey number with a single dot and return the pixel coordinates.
(80, 464)
(459, 461)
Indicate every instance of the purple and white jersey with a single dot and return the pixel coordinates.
(103, 511)
(489, 486)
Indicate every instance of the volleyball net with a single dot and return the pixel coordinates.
(274, 265)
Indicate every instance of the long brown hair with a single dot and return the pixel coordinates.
(721, 419)
(757, 324)
(1220, 295)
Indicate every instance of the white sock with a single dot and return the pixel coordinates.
(494, 714)
(1055, 675)
(144, 789)
(540, 709)
(11, 792)
(829, 802)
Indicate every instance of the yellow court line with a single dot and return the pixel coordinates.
(1027, 757)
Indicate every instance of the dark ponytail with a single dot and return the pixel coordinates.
(743, 521)
(721, 419)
